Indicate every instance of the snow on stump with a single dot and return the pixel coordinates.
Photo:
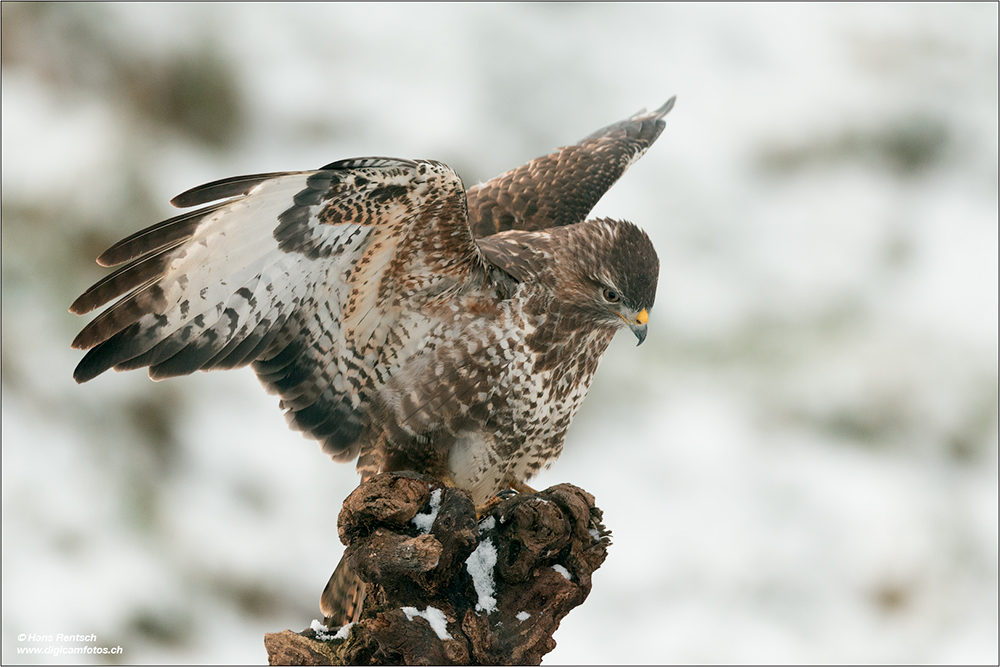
(446, 588)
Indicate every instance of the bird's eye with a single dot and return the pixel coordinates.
(611, 296)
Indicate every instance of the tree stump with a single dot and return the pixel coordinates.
(447, 588)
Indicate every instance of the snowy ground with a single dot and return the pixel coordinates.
(800, 463)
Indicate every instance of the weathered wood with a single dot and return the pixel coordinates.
(466, 591)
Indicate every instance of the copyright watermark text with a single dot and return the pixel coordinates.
(50, 647)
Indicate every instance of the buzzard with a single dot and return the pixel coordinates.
(402, 320)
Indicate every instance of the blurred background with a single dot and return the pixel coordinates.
(800, 464)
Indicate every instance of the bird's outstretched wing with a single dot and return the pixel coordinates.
(316, 277)
(562, 187)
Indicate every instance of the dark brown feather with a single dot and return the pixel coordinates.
(244, 349)
(119, 316)
(223, 189)
(124, 280)
(561, 188)
(166, 233)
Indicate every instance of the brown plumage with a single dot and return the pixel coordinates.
(361, 296)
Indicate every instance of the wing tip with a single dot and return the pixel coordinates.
(84, 340)
(87, 370)
(78, 308)
(183, 200)
(116, 254)
(657, 114)
(225, 188)
(665, 109)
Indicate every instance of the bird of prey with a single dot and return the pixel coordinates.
(402, 320)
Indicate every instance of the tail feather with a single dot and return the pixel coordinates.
(343, 597)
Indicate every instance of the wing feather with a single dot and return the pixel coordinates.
(125, 313)
(306, 275)
(223, 189)
(165, 234)
(562, 187)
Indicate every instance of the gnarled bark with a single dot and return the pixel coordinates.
(446, 588)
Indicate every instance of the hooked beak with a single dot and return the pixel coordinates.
(638, 326)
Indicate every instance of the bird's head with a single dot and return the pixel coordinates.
(617, 285)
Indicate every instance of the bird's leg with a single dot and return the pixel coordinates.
(487, 507)
(519, 486)
(510, 484)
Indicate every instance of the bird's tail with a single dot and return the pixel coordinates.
(343, 597)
